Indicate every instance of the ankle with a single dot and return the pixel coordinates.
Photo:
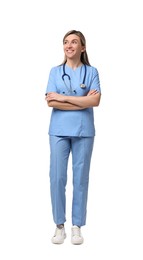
(60, 226)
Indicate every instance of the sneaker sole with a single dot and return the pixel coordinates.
(76, 243)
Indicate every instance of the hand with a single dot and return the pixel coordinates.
(92, 92)
(55, 96)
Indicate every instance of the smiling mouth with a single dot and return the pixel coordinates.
(69, 51)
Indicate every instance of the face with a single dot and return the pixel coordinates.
(72, 47)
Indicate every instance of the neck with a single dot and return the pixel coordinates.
(73, 64)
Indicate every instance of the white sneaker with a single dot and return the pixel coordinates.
(59, 236)
(76, 237)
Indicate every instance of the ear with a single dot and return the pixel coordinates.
(83, 49)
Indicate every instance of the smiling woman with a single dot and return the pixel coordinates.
(73, 90)
(72, 49)
(74, 45)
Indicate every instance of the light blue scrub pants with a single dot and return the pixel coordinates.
(81, 149)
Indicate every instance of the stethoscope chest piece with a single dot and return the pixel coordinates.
(82, 86)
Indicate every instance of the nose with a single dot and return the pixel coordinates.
(69, 44)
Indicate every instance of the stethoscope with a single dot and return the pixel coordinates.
(82, 85)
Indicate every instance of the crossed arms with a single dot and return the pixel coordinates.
(63, 102)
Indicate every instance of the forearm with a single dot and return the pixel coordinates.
(63, 105)
(84, 101)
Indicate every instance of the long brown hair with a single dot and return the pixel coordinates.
(84, 57)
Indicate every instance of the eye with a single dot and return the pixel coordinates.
(74, 42)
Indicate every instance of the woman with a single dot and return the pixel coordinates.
(73, 90)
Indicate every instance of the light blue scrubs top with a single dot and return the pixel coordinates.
(79, 123)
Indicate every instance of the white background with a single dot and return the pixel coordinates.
(31, 34)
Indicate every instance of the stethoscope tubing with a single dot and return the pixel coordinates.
(82, 85)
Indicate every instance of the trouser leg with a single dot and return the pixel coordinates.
(81, 157)
(59, 154)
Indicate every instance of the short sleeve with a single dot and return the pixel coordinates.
(51, 85)
(95, 83)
